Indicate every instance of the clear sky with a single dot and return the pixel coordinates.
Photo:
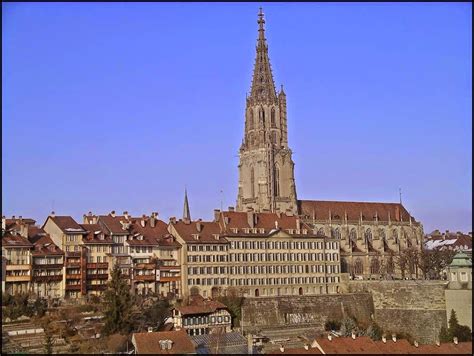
(119, 106)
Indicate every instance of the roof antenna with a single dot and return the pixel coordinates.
(400, 193)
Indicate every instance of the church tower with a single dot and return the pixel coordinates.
(266, 169)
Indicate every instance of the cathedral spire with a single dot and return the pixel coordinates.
(263, 86)
(186, 213)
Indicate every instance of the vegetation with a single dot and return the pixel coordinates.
(154, 315)
(332, 325)
(21, 304)
(462, 332)
(233, 300)
(48, 343)
(374, 331)
(117, 343)
(117, 305)
(432, 262)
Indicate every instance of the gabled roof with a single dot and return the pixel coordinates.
(149, 342)
(15, 240)
(321, 208)
(268, 221)
(45, 246)
(67, 224)
(113, 223)
(95, 235)
(157, 235)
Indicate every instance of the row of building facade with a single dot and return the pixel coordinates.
(259, 254)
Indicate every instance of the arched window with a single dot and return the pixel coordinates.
(375, 266)
(335, 233)
(277, 183)
(261, 115)
(252, 182)
(368, 235)
(390, 266)
(382, 234)
(353, 234)
(274, 137)
(320, 232)
(344, 266)
(395, 235)
(358, 267)
(272, 118)
(251, 121)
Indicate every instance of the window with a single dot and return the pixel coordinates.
(368, 235)
(335, 233)
(320, 232)
(252, 182)
(272, 118)
(463, 277)
(353, 234)
(251, 119)
(454, 276)
(277, 182)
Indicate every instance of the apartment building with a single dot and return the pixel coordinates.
(16, 249)
(260, 254)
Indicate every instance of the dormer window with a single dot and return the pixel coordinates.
(305, 232)
(290, 231)
(254, 231)
(216, 236)
(262, 230)
(234, 230)
(246, 230)
(196, 237)
(139, 237)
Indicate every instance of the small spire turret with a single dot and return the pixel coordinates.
(186, 212)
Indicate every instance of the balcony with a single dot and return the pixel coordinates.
(145, 266)
(73, 264)
(73, 276)
(73, 287)
(56, 278)
(170, 268)
(96, 286)
(15, 267)
(98, 265)
(17, 278)
(98, 276)
(170, 279)
(73, 254)
(48, 266)
(150, 278)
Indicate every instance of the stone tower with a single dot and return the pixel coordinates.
(266, 169)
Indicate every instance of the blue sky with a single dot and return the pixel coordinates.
(119, 106)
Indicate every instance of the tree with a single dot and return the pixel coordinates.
(116, 343)
(349, 325)
(233, 300)
(332, 325)
(444, 335)
(462, 332)
(426, 262)
(118, 303)
(216, 340)
(153, 315)
(402, 263)
(374, 331)
(48, 343)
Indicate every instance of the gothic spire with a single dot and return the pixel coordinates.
(263, 86)
(186, 213)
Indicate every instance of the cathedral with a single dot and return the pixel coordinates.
(371, 233)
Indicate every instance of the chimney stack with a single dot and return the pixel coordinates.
(153, 217)
(394, 337)
(282, 349)
(353, 335)
(438, 343)
(4, 222)
(415, 343)
(231, 208)
(125, 213)
(198, 226)
(306, 346)
(112, 213)
(384, 339)
(251, 219)
(143, 220)
(173, 220)
(216, 215)
(329, 337)
(298, 224)
(455, 340)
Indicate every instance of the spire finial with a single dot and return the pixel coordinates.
(261, 22)
(186, 213)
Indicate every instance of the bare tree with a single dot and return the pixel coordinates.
(217, 340)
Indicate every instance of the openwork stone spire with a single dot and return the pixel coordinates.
(263, 86)
(186, 213)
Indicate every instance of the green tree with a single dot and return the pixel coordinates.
(233, 300)
(453, 321)
(462, 332)
(374, 331)
(118, 304)
(349, 325)
(444, 335)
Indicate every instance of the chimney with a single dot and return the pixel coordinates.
(198, 226)
(13, 217)
(216, 214)
(282, 349)
(231, 208)
(173, 220)
(394, 337)
(251, 219)
(125, 213)
(306, 346)
(437, 343)
(52, 215)
(298, 224)
(150, 329)
(329, 337)
(143, 220)
(455, 340)
(112, 213)
(153, 217)
(415, 343)
(384, 339)
(353, 335)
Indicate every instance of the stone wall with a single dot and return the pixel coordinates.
(414, 307)
(417, 308)
(299, 311)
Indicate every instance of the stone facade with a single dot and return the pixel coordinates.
(266, 169)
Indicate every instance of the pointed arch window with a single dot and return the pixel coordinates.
(382, 234)
(252, 182)
(353, 234)
(368, 235)
(335, 233)
(358, 267)
(320, 232)
(375, 266)
(272, 118)
(277, 182)
(274, 137)
(251, 123)
(395, 235)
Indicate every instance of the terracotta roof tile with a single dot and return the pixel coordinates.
(320, 209)
(95, 234)
(67, 224)
(45, 246)
(15, 240)
(201, 307)
(240, 220)
(148, 343)
(207, 234)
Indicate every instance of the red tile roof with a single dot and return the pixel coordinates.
(157, 235)
(401, 346)
(149, 343)
(113, 223)
(15, 240)
(95, 235)
(201, 307)
(267, 221)
(206, 235)
(320, 209)
(67, 224)
(45, 246)
(35, 233)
